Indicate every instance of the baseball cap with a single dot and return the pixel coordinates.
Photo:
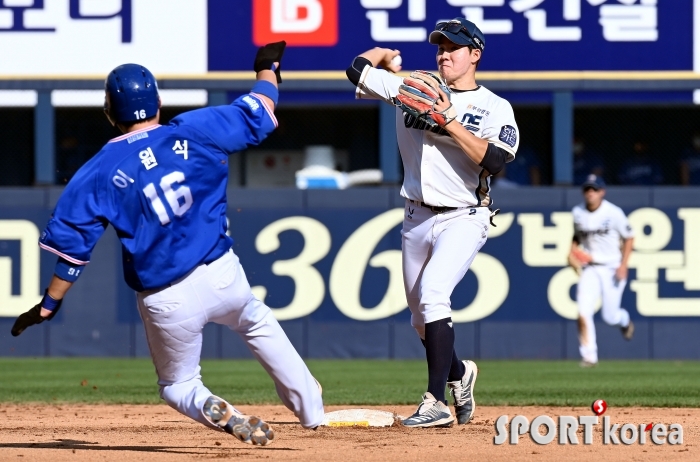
(593, 181)
(460, 31)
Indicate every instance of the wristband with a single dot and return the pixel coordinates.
(265, 88)
(48, 302)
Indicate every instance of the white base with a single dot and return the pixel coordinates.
(360, 417)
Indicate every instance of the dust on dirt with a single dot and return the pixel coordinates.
(78, 432)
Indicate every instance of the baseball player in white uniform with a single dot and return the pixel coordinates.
(602, 230)
(448, 156)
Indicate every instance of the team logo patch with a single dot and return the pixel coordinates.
(508, 135)
(136, 137)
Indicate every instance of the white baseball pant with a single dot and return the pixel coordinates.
(596, 282)
(437, 250)
(219, 292)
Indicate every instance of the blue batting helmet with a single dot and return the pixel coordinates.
(133, 94)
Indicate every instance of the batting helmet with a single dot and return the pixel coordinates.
(131, 94)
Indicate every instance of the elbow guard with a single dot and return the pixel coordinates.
(494, 159)
(354, 72)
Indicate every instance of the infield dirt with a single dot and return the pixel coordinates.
(151, 433)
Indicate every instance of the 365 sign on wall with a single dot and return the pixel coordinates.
(345, 264)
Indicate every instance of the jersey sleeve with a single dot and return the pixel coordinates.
(78, 221)
(245, 122)
(622, 225)
(378, 84)
(577, 225)
(502, 130)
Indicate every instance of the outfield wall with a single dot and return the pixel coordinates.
(329, 263)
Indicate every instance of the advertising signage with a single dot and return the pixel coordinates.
(521, 35)
(87, 37)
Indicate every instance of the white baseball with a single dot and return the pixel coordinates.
(396, 60)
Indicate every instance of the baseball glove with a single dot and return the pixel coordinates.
(417, 97)
(578, 258)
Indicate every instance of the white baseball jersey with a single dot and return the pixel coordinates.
(599, 232)
(436, 170)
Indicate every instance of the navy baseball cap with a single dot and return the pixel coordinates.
(593, 181)
(460, 31)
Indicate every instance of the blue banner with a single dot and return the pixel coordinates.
(346, 265)
(521, 35)
(329, 265)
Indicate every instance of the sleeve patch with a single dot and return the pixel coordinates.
(508, 135)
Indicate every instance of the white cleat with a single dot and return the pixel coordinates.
(462, 392)
(248, 429)
(430, 413)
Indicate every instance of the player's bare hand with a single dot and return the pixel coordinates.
(621, 273)
(388, 62)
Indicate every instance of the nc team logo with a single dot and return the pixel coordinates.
(299, 22)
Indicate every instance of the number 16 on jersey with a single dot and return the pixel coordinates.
(179, 200)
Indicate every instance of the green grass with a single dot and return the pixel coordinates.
(556, 383)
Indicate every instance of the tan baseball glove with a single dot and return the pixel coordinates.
(418, 94)
(578, 258)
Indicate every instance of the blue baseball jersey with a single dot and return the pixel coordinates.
(163, 189)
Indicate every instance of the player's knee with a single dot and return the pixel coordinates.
(611, 319)
(174, 394)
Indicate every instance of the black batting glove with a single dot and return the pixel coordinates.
(269, 54)
(32, 317)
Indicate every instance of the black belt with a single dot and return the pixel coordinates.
(438, 209)
(434, 208)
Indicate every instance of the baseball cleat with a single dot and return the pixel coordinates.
(462, 392)
(248, 429)
(628, 332)
(587, 364)
(430, 413)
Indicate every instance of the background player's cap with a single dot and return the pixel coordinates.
(460, 31)
(133, 94)
(593, 181)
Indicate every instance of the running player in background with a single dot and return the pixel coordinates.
(447, 191)
(604, 233)
(163, 189)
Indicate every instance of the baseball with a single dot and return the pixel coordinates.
(396, 60)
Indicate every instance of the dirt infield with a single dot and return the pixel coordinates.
(157, 433)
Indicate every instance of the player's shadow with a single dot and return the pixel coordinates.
(90, 446)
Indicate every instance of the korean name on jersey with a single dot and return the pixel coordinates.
(163, 189)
